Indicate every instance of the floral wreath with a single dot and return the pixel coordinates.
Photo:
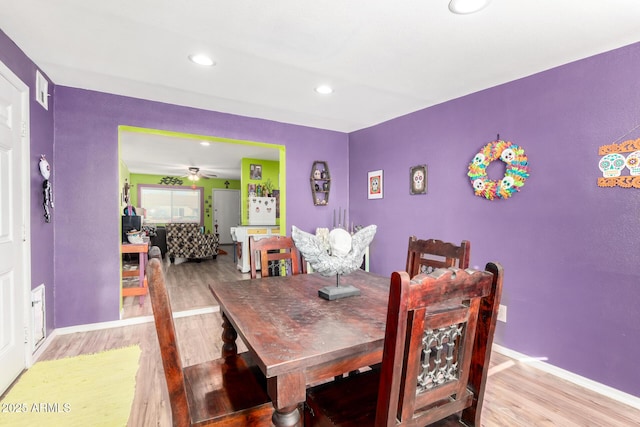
(516, 172)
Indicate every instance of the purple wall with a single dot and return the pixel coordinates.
(87, 203)
(572, 292)
(41, 135)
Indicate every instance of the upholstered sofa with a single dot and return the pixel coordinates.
(186, 240)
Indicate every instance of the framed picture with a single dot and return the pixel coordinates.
(374, 184)
(418, 179)
(255, 171)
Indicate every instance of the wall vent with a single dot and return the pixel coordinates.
(42, 90)
(38, 315)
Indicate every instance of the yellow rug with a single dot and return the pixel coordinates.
(88, 390)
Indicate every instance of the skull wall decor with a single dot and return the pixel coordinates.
(611, 165)
(516, 170)
(418, 177)
(633, 163)
(507, 182)
(375, 185)
(478, 184)
(478, 159)
(418, 180)
(508, 155)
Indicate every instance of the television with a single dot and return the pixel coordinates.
(130, 223)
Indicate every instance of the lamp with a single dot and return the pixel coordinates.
(193, 177)
(464, 7)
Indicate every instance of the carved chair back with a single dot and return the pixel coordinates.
(226, 391)
(437, 345)
(278, 256)
(437, 349)
(171, 361)
(424, 256)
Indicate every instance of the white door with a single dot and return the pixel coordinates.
(13, 234)
(226, 213)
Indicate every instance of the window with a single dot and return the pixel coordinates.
(168, 204)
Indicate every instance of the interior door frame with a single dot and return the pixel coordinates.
(213, 207)
(25, 269)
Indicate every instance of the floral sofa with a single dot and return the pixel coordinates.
(186, 240)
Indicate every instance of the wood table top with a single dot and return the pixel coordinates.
(134, 248)
(288, 327)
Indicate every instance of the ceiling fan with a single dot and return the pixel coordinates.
(194, 174)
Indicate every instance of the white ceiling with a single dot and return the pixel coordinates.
(383, 58)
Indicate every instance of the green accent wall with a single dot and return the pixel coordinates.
(270, 171)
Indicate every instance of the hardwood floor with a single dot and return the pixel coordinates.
(518, 394)
(188, 284)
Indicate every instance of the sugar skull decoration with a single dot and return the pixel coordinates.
(418, 177)
(633, 163)
(47, 192)
(615, 158)
(45, 168)
(611, 165)
(478, 185)
(418, 180)
(375, 185)
(516, 171)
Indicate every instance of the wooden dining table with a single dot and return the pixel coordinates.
(297, 338)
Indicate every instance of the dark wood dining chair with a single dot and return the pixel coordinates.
(227, 391)
(278, 256)
(437, 347)
(424, 256)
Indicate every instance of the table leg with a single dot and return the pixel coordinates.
(229, 335)
(287, 391)
(287, 417)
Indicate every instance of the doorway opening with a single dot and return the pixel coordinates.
(166, 158)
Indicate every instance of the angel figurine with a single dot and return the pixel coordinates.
(335, 254)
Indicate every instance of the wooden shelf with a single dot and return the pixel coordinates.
(320, 180)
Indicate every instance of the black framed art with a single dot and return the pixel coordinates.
(418, 179)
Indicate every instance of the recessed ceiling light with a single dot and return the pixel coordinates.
(464, 7)
(202, 59)
(204, 143)
(324, 89)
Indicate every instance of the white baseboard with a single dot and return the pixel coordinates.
(42, 347)
(605, 390)
(115, 324)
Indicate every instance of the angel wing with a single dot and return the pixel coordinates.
(316, 251)
(361, 240)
